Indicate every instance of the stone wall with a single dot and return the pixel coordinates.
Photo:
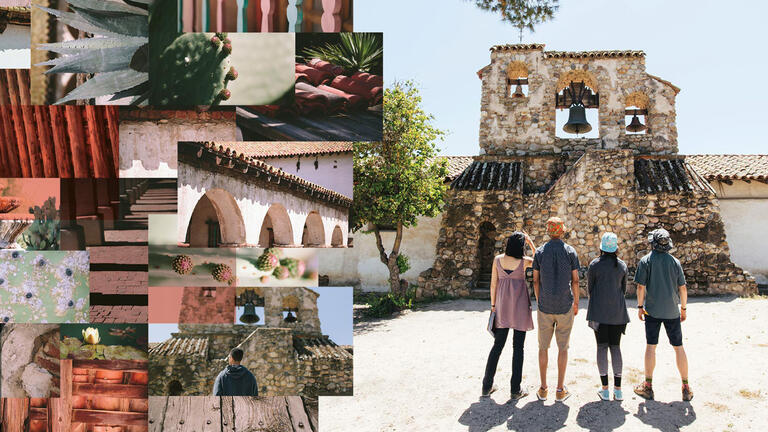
(219, 307)
(597, 194)
(270, 357)
(326, 376)
(520, 126)
(30, 360)
(276, 299)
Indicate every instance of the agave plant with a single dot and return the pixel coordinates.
(116, 53)
(355, 52)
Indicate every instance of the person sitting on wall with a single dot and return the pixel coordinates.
(236, 379)
(660, 287)
(556, 284)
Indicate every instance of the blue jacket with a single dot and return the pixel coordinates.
(235, 380)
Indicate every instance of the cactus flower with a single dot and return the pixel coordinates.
(215, 41)
(91, 336)
(232, 74)
(227, 49)
(224, 94)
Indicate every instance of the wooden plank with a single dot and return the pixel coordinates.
(206, 13)
(15, 412)
(295, 15)
(100, 152)
(47, 149)
(193, 413)
(38, 413)
(22, 81)
(311, 407)
(268, 8)
(157, 409)
(60, 414)
(227, 414)
(265, 413)
(60, 145)
(109, 417)
(18, 124)
(123, 365)
(113, 132)
(77, 147)
(331, 20)
(298, 414)
(111, 390)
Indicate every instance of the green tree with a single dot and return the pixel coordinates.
(400, 178)
(523, 14)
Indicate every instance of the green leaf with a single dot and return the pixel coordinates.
(106, 83)
(107, 6)
(78, 46)
(123, 24)
(92, 61)
(78, 22)
(140, 59)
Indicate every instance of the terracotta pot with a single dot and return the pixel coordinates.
(139, 378)
(106, 403)
(110, 375)
(38, 402)
(79, 402)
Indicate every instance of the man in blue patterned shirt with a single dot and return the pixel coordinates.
(556, 284)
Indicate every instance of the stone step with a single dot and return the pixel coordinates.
(478, 293)
(119, 282)
(121, 254)
(118, 314)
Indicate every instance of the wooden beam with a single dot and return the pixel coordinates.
(122, 365)
(157, 408)
(111, 390)
(15, 413)
(37, 413)
(99, 151)
(47, 149)
(77, 145)
(109, 417)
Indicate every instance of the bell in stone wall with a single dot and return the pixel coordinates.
(577, 120)
(290, 318)
(635, 125)
(518, 92)
(249, 314)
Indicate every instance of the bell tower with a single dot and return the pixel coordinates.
(607, 97)
(280, 307)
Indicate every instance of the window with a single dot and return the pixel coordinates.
(577, 113)
(517, 80)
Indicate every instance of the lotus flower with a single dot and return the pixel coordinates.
(91, 336)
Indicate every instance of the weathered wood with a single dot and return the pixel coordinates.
(111, 390)
(201, 414)
(100, 152)
(38, 413)
(15, 414)
(331, 21)
(113, 132)
(157, 408)
(77, 146)
(270, 413)
(47, 149)
(18, 124)
(311, 409)
(109, 417)
(33, 144)
(60, 414)
(298, 415)
(227, 414)
(12, 168)
(60, 145)
(122, 365)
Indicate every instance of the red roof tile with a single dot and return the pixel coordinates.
(272, 149)
(730, 167)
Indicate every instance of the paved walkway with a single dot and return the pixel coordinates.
(422, 371)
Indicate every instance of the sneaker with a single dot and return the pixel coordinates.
(487, 393)
(604, 394)
(618, 395)
(519, 395)
(644, 391)
(562, 395)
(687, 393)
(541, 393)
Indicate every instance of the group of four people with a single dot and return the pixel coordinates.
(660, 289)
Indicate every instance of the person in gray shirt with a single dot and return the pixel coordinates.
(607, 311)
(556, 285)
(660, 287)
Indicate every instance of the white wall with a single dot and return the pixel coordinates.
(254, 202)
(743, 207)
(333, 172)
(14, 47)
(419, 244)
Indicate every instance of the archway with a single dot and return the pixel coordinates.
(175, 388)
(337, 238)
(276, 229)
(314, 233)
(486, 248)
(216, 221)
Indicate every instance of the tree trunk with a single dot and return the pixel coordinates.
(391, 260)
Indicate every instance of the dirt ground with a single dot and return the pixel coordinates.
(422, 371)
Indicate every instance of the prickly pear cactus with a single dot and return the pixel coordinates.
(43, 233)
(182, 264)
(267, 261)
(295, 267)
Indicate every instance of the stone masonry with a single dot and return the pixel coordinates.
(628, 184)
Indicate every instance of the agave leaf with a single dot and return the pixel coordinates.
(78, 22)
(78, 46)
(92, 61)
(122, 24)
(133, 91)
(140, 59)
(107, 6)
(106, 83)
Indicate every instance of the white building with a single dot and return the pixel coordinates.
(15, 34)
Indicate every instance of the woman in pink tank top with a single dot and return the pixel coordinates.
(512, 304)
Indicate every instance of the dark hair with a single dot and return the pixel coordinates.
(236, 354)
(515, 245)
(611, 255)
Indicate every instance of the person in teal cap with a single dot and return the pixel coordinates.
(607, 311)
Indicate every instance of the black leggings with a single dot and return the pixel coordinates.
(608, 338)
(499, 340)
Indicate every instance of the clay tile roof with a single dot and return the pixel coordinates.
(19, 15)
(730, 167)
(672, 174)
(517, 47)
(593, 54)
(490, 176)
(287, 149)
(245, 164)
(663, 81)
(456, 165)
(319, 347)
(181, 346)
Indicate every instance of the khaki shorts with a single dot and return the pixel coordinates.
(559, 324)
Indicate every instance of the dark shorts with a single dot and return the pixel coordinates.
(609, 334)
(672, 326)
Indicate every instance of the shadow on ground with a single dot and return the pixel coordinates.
(666, 417)
(602, 416)
(486, 414)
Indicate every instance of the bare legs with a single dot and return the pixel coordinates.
(650, 360)
(680, 357)
(562, 362)
(682, 362)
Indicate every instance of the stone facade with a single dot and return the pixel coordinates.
(628, 184)
(207, 305)
(286, 358)
(30, 360)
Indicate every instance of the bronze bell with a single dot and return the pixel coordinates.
(577, 120)
(290, 318)
(635, 125)
(249, 314)
(518, 92)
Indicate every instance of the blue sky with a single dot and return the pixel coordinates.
(711, 50)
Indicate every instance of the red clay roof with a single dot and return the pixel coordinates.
(730, 167)
(272, 149)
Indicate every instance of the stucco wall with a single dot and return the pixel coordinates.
(14, 47)
(743, 206)
(333, 171)
(253, 203)
(361, 266)
(148, 148)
